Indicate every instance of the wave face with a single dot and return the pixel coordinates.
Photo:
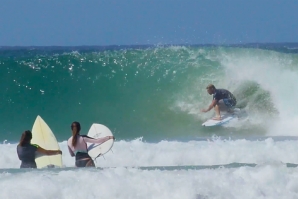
(154, 92)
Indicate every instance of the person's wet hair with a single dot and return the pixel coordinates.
(75, 137)
(25, 138)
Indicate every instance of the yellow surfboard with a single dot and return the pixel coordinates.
(43, 136)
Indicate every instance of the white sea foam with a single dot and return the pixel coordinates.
(121, 176)
(269, 181)
(137, 153)
(275, 73)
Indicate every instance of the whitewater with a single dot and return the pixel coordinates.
(151, 97)
(216, 168)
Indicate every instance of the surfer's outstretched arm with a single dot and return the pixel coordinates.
(99, 140)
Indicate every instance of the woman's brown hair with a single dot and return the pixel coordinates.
(75, 136)
(26, 138)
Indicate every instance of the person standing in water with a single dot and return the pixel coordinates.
(77, 146)
(26, 151)
(223, 100)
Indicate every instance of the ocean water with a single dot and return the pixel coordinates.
(151, 97)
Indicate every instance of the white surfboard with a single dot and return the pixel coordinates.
(228, 118)
(99, 131)
(224, 120)
(43, 136)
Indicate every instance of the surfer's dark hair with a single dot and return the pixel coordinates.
(210, 86)
(75, 137)
(26, 138)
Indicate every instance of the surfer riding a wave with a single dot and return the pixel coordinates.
(223, 100)
(77, 145)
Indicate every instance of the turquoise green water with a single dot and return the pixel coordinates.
(150, 92)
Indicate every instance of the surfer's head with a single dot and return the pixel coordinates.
(26, 138)
(75, 127)
(210, 89)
